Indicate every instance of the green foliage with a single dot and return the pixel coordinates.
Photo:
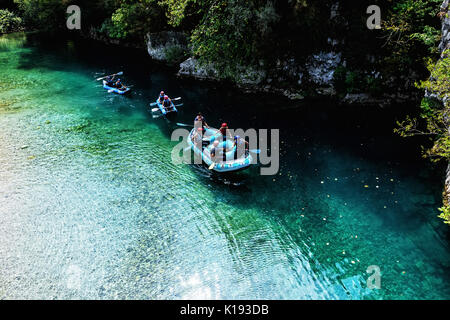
(233, 33)
(176, 10)
(435, 111)
(175, 55)
(42, 14)
(410, 31)
(133, 19)
(348, 81)
(445, 214)
(9, 22)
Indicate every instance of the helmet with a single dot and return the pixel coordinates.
(237, 137)
(166, 98)
(215, 143)
(224, 125)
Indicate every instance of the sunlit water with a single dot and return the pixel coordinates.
(91, 206)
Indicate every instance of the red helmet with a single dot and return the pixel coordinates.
(224, 125)
(166, 98)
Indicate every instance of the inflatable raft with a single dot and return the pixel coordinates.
(222, 166)
(163, 110)
(116, 90)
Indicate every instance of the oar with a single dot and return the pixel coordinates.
(184, 124)
(155, 103)
(212, 166)
(115, 74)
(257, 151)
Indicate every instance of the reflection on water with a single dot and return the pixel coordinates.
(91, 206)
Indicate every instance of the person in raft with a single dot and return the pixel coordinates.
(110, 80)
(215, 151)
(201, 118)
(167, 104)
(161, 97)
(241, 146)
(226, 134)
(197, 136)
(119, 85)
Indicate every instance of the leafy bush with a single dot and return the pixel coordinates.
(445, 214)
(233, 33)
(175, 55)
(9, 22)
(134, 19)
(435, 115)
(42, 14)
(412, 32)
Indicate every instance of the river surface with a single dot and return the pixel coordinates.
(91, 206)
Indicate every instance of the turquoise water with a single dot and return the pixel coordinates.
(91, 206)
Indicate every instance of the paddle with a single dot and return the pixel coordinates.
(212, 166)
(184, 124)
(116, 74)
(155, 103)
(178, 105)
(257, 151)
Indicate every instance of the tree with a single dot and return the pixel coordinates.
(9, 22)
(435, 116)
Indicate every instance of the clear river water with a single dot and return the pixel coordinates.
(91, 206)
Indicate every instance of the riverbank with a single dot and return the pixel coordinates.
(160, 45)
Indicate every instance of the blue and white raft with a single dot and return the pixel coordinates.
(166, 111)
(113, 89)
(231, 164)
(162, 111)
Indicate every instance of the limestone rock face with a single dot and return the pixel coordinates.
(192, 68)
(445, 41)
(247, 76)
(158, 43)
(321, 67)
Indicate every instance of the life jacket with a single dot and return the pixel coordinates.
(167, 103)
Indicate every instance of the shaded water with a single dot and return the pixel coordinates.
(91, 206)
